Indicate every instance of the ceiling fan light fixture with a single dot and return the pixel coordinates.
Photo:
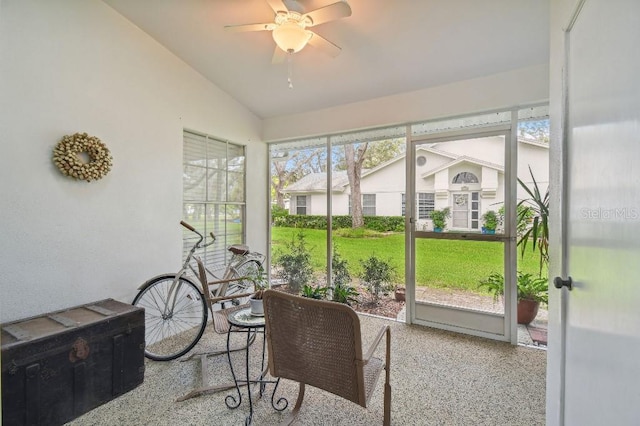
(291, 37)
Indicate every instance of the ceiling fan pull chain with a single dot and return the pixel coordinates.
(290, 68)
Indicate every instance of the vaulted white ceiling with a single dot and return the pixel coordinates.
(388, 46)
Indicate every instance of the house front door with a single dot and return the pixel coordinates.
(594, 324)
(460, 210)
(465, 214)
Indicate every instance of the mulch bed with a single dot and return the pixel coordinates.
(386, 306)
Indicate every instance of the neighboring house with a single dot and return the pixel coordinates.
(467, 176)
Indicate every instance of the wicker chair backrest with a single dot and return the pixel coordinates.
(315, 342)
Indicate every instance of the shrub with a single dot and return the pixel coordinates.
(277, 211)
(529, 287)
(375, 223)
(295, 264)
(377, 275)
(339, 269)
(490, 219)
(524, 215)
(344, 294)
(439, 218)
(314, 292)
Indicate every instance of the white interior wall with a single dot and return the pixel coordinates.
(81, 67)
(511, 88)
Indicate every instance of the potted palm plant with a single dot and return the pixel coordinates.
(260, 283)
(535, 212)
(531, 292)
(439, 219)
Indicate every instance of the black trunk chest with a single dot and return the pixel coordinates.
(60, 365)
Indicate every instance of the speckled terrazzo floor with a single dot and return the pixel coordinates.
(437, 378)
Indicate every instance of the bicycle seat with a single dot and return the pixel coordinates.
(239, 249)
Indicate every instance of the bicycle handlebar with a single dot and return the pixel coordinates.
(192, 229)
(186, 225)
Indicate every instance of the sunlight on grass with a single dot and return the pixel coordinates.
(439, 263)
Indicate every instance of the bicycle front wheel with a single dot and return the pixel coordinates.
(175, 317)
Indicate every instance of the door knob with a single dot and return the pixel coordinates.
(559, 283)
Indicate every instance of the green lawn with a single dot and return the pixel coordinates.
(439, 263)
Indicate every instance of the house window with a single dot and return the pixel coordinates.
(404, 204)
(368, 204)
(426, 203)
(475, 209)
(213, 193)
(301, 204)
(465, 177)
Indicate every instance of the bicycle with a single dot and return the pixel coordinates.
(176, 307)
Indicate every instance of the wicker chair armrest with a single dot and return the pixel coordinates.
(374, 345)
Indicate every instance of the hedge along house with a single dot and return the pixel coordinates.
(468, 178)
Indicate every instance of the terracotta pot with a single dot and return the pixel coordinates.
(527, 310)
(400, 294)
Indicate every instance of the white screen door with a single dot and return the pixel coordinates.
(468, 174)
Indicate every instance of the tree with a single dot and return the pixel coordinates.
(382, 151)
(354, 155)
(285, 171)
(366, 155)
(537, 130)
(378, 152)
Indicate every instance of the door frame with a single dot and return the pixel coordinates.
(559, 193)
(494, 326)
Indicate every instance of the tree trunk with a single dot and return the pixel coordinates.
(278, 184)
(354, 159)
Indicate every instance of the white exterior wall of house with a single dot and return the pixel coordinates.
(441, 187)
(340, 203)
(482, 157)
(79, 66)
(538, 159)
(388, 185)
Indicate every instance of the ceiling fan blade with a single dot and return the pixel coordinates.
(332, 12)
(277, 6)
(249, 27)
(325, 45)
(279, 56)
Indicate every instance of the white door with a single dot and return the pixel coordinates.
(594, 346)
(460, 210)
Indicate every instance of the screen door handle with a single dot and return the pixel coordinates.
(559, 283)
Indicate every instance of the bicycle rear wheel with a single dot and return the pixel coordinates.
(250, 268)
(174, 321)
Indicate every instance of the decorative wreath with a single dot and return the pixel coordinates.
(66, 155)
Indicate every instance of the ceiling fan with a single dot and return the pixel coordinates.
(289, 29)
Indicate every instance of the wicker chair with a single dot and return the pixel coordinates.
(318, 343)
